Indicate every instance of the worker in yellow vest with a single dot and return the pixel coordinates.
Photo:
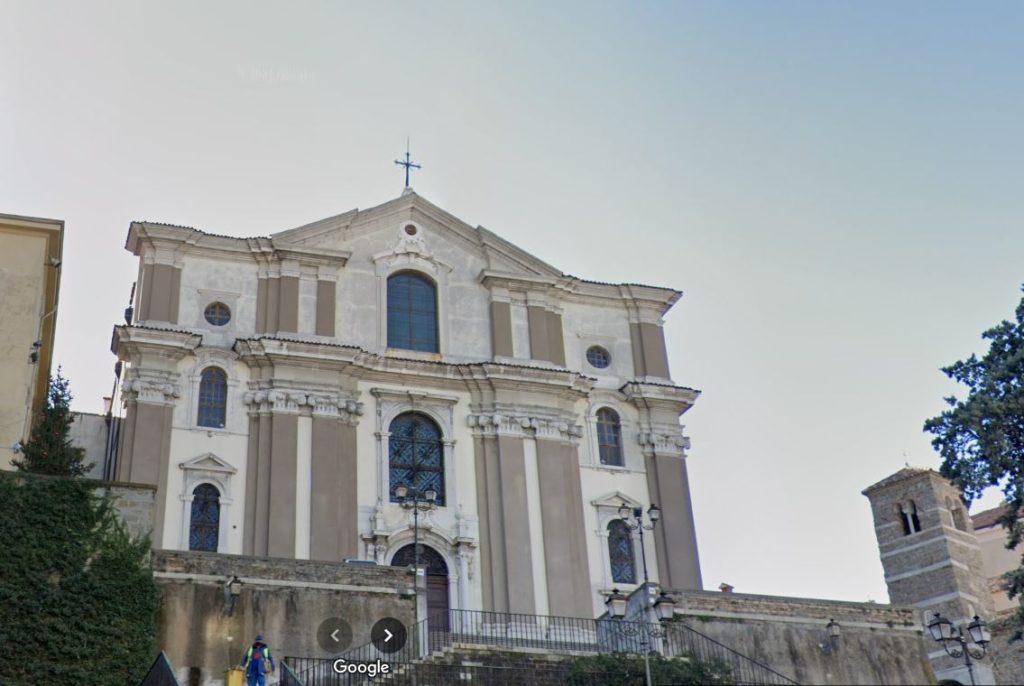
(256, 661)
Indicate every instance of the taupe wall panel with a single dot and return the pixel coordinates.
(288, 312)
(334, 514)
(496, 526)
(126, 445)
(537, 320)
(678, 562)
(655, 353)
(483, 513)
(556, 340)
(516, 515)
(162, 292)
(501, 329)
(261, 523)
(565, 546)
(273, 302)
(251, 480)
(636, 342)
(261, 305)
(284, 448)
(325, 297)
(147, 454)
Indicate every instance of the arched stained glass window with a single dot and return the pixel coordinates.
(620, 552)
(416, 454)
(213, 398)
(609, 437)
(412, 312)
(204, 525)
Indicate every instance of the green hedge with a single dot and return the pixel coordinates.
(627, 669)
(77, 598)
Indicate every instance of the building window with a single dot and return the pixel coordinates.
(609, 437)
(598, 357)
(957, 513)
(908, 517)
(412, 312)
(416, 454)
(204, 525)
(620, 552)
(217, 314)
(213, 397)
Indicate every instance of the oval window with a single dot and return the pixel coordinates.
(217, 314)
(598, 357)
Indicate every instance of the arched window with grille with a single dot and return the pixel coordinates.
(412, 312)
(620, 552)
(609, 437)
(416, 454)
(204, 524)
(213, 398)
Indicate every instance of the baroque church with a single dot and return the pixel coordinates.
(283, 393)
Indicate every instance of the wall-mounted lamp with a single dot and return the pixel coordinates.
(833, 631)
(234, 590)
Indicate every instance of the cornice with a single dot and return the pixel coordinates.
(172, 343)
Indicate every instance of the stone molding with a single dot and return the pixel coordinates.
(301, 401)
(523, 425)
(152, 387)
(663, 441)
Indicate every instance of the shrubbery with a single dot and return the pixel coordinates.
(77, 598)
(627, 669)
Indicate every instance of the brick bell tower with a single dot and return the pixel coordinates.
(931, 558)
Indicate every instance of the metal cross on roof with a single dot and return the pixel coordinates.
(407, 163)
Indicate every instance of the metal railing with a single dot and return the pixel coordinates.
(428, 642)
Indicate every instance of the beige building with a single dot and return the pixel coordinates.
(30, 257)
(278, 390)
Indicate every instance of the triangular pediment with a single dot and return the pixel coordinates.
(208, 463)
(615, 500)
(340, 231)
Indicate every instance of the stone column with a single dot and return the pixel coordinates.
(146, 451)
(334, 526)
(503, 507)
(561, 504)
(283, 465)
(675, 537)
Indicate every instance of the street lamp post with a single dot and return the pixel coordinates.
(664, 607)
(633, 518)
(417, 501)
(956, 644)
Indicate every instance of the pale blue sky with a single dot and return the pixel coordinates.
(834, 186)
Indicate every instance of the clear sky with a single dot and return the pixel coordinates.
(836, 187)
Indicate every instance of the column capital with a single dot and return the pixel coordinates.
(157, 388)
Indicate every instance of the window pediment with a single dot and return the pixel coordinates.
(208, 463)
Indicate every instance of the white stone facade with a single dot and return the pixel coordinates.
(301, 462)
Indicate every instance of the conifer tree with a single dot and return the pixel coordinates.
(49, 449)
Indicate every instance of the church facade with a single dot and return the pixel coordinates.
(283, 392)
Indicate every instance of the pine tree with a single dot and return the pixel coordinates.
(49, 449)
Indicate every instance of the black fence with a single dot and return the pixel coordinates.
(427, 656)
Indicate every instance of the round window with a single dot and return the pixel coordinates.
(598, 357)
(217, 314)
(410, 229)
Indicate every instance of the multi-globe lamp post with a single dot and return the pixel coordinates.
(956, 644)
(664, 606)
(418, 501)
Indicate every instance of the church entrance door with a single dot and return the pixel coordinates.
(437, 582)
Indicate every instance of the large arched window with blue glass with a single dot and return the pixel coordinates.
(204, 522)
(213, 398)
(412, 312)
(416, 455)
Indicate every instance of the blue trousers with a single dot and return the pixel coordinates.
(257, 679)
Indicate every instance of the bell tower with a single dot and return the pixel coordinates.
(931, 557)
